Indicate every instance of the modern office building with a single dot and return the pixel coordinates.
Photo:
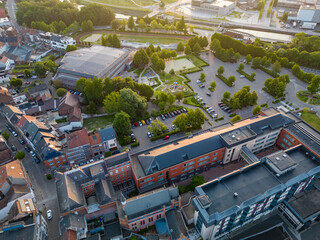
(96, 61)
(245, 195)
(224, 144)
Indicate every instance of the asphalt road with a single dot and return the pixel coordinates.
(44, 190)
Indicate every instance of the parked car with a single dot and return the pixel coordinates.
(166, 137)
(133, 126)
(27, 148)
(133, 139)
(36, 159)
(136, 124)
(14, 134)
(173, 127)
(202, 86)
(147, 122)
(242, 76)
(140, 123)
(32, 154)
(21, 141)
(49, 214)
(143, 122)
(162, 117)
(149, 134)
(13, 147)
(116, 152)
(209, 94)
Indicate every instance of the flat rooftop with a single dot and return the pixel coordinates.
(281, 160)
(253, 180)
(237, 135)
(220, 3)
(306, 203)
(92, 61)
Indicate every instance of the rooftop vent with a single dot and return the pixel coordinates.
(235, 194)
(284, 155)
(238, 139)
(278, 175)
(233, 136)
(277, 158)
(307, 153)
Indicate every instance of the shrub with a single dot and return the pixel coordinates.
(232, 114)
(224, 79)
(48, 176)
(20, 155)
(219, 119)
(107, 154)
(136, 144)
(163, 135)
(249, 77)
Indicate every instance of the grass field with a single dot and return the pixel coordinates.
(97, 122)
(311, 119)
(154, 39)
(178, 65)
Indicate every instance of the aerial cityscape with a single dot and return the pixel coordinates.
(160, 119)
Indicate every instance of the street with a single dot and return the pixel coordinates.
(44, 190)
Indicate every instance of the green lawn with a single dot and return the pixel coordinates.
(150, 39)
(126, 3)
(304, 96)
(170, 79)
(191, 101)
(311, 119)
(98, 122)
(197, 61)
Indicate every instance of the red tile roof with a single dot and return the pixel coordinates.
(78, 138)
(2, 13)
(95, 139)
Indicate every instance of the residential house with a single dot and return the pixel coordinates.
(6, 155)
(144, 210)
(11, 113)
(56, 41)
(13, 186)
(73, 226)
(96, 143)
(109, 139)
(5, 96)
(37, 92)
(25, 222)
(78, 147)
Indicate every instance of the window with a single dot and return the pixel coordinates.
(260, 139)
(142, 222)
(117, 171)
(150, 219)
(287, 142)
(158, 216)
(270, 139)
(215, 154)
(122, 169)
(188, 164)
(147, 179)
(204, 162)
(111, 173)
(289, 138)
(161, 174)
(257, 144)
(203, 158)
(188, 168)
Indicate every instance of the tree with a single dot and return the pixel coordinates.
(220, 70)
(241, 67)
(171, 72)
(92, 90)
(196, 49)
(146, 91)
(91, 108)
(256, 110)
(57, 83)
(226, 96)
(248, 58)
(284, 17)
(180, 47)
(171, 99)
(213, 85)
(187, 50)
(121, 124)
(51, 66)
(5, 135)
(237, 56)
(235, 118)
(276, 67)
(140, 58)
(161, 65)
(142, 24)
(253, 75)
(27, 73)
(314, 86)
(115, 24)
(40, 69)
(202, 77)
(256, 62)
(131, 24)
(179, 95)
(196, 118)
(20, 155)
(80, 84)
(16, 82)
(181, 122)
(277, 86)
(71, 48)
(132, 103)
(231, 80)
(112, 102)
(61, 92)
(87, 26)
(157, 127)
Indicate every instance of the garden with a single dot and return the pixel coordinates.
(97, 122)
(307, 97)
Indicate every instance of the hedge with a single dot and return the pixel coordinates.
(163, 135)
(158, 83)
(268, 71)
(246, 75)
(219, 119)
(136, 144)
(224, 79)
(187, 81)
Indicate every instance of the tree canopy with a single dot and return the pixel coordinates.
(277, 86)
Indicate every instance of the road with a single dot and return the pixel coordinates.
(44, 190)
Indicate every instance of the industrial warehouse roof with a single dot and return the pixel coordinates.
(252, 182)
(169, 155)
(93, 61)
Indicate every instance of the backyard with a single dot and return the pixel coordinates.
(97, 122)
(312, 119)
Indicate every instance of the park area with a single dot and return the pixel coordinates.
(307, 97)
(185, 64)
(97, 122)
(311, 118)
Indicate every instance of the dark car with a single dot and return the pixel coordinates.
(133, 126)
(116, 152)
(13, 148)
(27, 148)
(36, 159)
(21, 141)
